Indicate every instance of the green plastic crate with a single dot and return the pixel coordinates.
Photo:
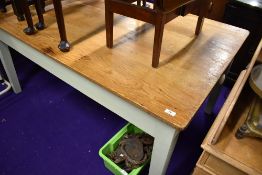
(111, 146)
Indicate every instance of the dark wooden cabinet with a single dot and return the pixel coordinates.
(215, 11)
(245, 14)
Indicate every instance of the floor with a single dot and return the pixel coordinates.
(52, 129)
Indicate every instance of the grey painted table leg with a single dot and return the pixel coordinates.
(214, 95)
(8, 64)
(164, 144)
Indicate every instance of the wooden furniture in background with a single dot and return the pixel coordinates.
(161, 13)
(252, 127)
(223, 153)
(211, 165)
(246, 14)
(216, 9)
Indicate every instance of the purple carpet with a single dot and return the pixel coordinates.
(52, 129)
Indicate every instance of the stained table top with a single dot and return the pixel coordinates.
(189, 66)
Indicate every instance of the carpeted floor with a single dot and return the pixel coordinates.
(52, 129)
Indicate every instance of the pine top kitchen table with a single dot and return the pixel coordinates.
(160, 101)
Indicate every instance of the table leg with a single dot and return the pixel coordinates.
(164, 144)
(203, 7)
(214, 96)
(109, 19)
(8, 64)
(159, 30)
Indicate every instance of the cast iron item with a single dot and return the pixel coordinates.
(133, 150)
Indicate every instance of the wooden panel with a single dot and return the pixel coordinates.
(244, 154)
(221, 168)
(172, 4)
(210, 165)
(229, 104)
(199, 171)
(249, 150)
(259, 58)
(189, 66)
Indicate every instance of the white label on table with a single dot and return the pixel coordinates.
(169, 112)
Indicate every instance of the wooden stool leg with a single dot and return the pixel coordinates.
(159, 30)
(64, 45)
(109, 18)
(42, 3)
(3, 6)
(41, 24)
(18, 9)
(144, 3)
(138, 2)
(30, 29)
(203, 4)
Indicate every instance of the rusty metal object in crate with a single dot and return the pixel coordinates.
(133, 150)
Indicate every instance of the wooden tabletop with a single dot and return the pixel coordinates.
(189, 66)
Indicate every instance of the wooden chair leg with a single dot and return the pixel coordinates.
(42, 3)
(203, 5)
(64, 45)
(18, 10)
(30, 28)
(144, 3)
(41, 24)
(109, 18)
(159, 30)
(3, 6)
(138, 2)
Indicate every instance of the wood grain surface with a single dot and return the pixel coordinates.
(211, 165)
(189, 66)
